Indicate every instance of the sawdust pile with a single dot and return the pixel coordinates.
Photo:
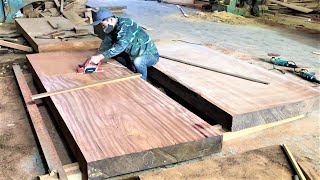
(222, 17)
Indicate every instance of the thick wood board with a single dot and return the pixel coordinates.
(232, 102)
(120, 127)
(31, 27)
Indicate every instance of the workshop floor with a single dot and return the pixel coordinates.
(19, 155)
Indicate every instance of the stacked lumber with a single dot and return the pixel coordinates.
(11, 41)
(74, 10)
(294, 6)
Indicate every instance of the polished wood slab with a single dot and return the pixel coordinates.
(232, 102)
(120, 127)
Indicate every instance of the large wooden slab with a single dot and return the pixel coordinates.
(122, 127)
(31, 27)
(232, 102)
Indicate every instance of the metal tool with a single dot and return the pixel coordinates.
(89, 67)
(307, 75)
(277, 60)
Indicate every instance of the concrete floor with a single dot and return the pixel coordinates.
(19, 154)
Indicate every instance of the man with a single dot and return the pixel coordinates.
(126, 42)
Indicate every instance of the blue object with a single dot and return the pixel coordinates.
(9, 8)
(102, 14)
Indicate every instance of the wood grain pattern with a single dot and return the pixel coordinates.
(31, 27)
(232, 102)
(122, 127)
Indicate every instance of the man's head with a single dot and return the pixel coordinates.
(106, 19)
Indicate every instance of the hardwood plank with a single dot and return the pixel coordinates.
(26, 27)
(120, 127)
(16, 46)
(232, 102)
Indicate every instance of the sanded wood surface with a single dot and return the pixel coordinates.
(31, 27)
(232, 102)
(120, 127)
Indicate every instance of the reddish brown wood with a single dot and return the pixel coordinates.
(31, 27)
(120, 127)
(232, 102)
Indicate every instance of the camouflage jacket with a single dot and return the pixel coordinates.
(127, 36)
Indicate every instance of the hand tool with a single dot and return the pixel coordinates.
(308, 75)
(215, 70)
(89, 67)
(277, 60)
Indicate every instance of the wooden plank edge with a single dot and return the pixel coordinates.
(48, 149)
(232, 135)
(294, 162)
(102, 82)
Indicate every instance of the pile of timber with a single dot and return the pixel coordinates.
(11, 41)
(74, 10)
(295, 7)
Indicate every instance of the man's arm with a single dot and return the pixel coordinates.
(106, 43)
(125, 37)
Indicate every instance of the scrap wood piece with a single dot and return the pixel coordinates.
(72, 170)
(10, 35)
(48, 149)
(15, 46)
(182, 11)
(294, 162)
(57, 3)
(93, 84)
(49, 4)
(292, 6)
(74, 17)
(10, 39)
(53, 24)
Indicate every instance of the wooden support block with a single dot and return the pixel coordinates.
(72, 170)
(27, 9)
(16, 46)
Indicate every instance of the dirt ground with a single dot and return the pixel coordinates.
(19, 154)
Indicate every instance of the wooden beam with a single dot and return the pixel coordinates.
(101, 82)
(294, 162)
(46, 143)
(292, 6)
(16, 46)
(233, 135)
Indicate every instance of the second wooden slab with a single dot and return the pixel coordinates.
(232, 102)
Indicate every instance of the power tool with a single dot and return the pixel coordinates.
(89, 67)
(277, 60)
(305, 74)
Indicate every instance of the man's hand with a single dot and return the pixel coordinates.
(96, 59)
